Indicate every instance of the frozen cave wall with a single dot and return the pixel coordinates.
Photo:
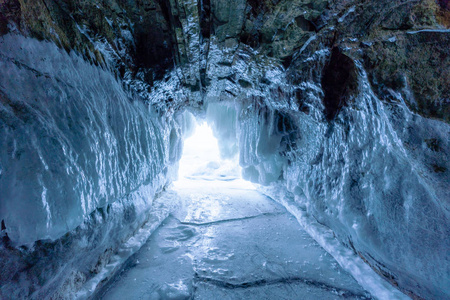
(83, 150)
(343, 105)
(70, 131)
(82, 159)
(355, 175)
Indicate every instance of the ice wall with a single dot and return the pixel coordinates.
(372, 179)
(377, 175)
(72, 140)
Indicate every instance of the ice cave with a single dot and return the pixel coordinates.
(225, 149)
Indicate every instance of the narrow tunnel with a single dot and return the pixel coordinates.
(226, 240)
(224, 149)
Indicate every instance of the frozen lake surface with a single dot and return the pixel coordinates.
(230, 242)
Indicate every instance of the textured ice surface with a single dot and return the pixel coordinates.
(209, 252)
(216, 201)
(347, 258)
(223, 117)
(72, 141)
(163, 205)
(377, 176)
(82, 258)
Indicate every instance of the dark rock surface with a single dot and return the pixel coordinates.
(400, 42)
(339, 79)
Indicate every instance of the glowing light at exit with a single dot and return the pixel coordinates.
(201, 161)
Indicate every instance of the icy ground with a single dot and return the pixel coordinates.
(227, 241)
(230, 242)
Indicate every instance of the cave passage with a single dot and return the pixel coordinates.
(228, 241)
(111, 189)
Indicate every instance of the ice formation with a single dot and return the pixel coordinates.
(362, 176)
(228, 240)
(82, 160)
(72, 132)
(339, 109)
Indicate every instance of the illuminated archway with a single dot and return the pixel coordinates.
(201, 161)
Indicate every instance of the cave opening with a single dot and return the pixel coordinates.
(203, 162)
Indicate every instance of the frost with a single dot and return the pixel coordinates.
(429, 30)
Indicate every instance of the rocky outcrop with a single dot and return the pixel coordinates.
(400, 42)
(417, 61)
(133, 37)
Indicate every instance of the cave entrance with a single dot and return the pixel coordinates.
(202, 161)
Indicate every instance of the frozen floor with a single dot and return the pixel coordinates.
(230, 242)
